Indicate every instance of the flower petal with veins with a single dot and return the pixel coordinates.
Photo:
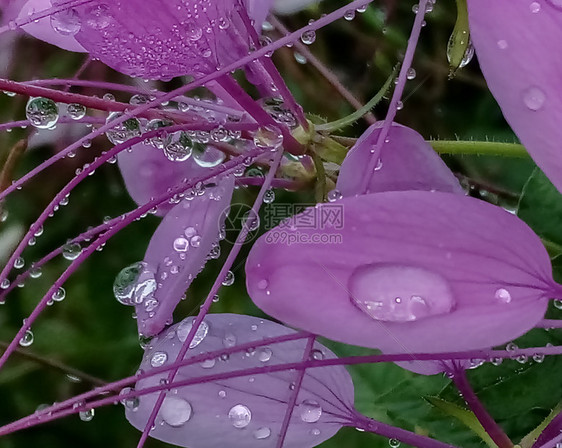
(406, 162)
(518, 44)
(246, 411)
(411, 271)
(178, 250)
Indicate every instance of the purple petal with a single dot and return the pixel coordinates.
(403, 272)
(209, 414)
(46, 29)
(178, 250)
(523, 71)
(162, 39)
(406, 162)
(148, 173)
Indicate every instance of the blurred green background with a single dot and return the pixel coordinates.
(89, 331)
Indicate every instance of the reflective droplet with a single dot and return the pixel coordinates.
(334, 195)
(185, 327)
(240, 416)
(181, 244)
(264, 354)
(558, 304)
(310, 411)
(175, 411)
(268, 138)
(66, 22)
(228, 279)
(178, 147)
(124, 131)
(76, 111)
(87, 416)
(308, 37)
(395, 293)
(503, 296)
(229, 340)
(158, 359)
(262, 433)
(394, 443)
(534, 98)
(19, 263)
(134, 284)
(71, 251)
(209, 157)
(43, 113)
(208, 363)
(59, 295)
(27, 339)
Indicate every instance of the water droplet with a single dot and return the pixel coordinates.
(334, 195)
(178, 147)
(175, 411)
(123, 131)
(317, 355)
(98, 17)
(66, 22)
(310, 411)
(158, 359)
(534, 98)
(308, 37)
(185, 327)
(209, 157)
(228, 279)
(503, 296)
(134, 284)
(229, 340)
(535, 7)
(43, 113)
(240, 416)
(394, 443)
(87, 416)
(538, 357)
(468, 53)
(411, 73)
(395, 293)
(181, 244)
(59, 295)
(76, 111)
(558, 304)
(264, 354)
(268, 138)
(71, 251)
(269, 196)
(27, 339)
(19, 263)
(208, 363)
(262, 433)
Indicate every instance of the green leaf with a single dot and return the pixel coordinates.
(463, 415)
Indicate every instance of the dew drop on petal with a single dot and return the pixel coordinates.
(134, 284)
(158, 359)
(175, 411)
(534, 98)
(185, 327)
(240, 416)
(395, 293)
(264, 354)
(502, 295)
(310, 411)
(66, 22)
(262, 433)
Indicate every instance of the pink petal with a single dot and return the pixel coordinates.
(162, 39)
(198, 416)
(468, 274)
(518, 43)
(148, 173)
(406, 162)
(178, 250)
(43, 29)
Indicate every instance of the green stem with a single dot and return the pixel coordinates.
(465, 147)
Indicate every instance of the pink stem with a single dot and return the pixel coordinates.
(488, 423)
(398, 91)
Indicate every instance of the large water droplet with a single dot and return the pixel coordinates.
(240, 416)
(86, 416)
(66, 22)
(27, 339)
(134, 284)
(175, 411)
(534, 98)
(158, 359)
(209, 157)
(264, 354)
(502, 295)
(43, 113)
(71, 251)
(310, 411)
(185, 327)
(76, 111)
(178, 147)
(395, 293)
(123, 131)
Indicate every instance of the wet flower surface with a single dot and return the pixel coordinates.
(209, 166)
